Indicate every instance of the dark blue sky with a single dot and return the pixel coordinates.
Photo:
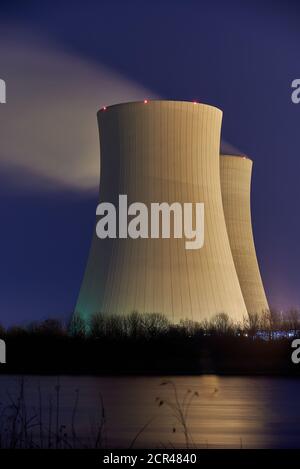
(239, 56)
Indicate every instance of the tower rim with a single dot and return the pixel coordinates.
(159, 101)
(242, 156)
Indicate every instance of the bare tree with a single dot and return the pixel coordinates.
(293, 320)
(98, 325)
(77, 326)
(51, 327)
(155, 324)
(222, 324)
(190, 327)
(252, 323)
(2, 331)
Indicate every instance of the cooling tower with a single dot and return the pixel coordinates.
(235, 185)
(162, 151)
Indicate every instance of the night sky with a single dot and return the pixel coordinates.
(238, 56)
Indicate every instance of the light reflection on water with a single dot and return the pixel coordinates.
(231, 412)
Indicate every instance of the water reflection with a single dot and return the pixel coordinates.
(230, 412)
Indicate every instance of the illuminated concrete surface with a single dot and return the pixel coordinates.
(162, 151)
(236, 188)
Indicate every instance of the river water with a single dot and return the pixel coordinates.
(205, 412)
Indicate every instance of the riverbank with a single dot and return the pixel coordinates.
(147, 344)
(222, 355)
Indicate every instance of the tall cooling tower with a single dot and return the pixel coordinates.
(236, 185)
(162, 151)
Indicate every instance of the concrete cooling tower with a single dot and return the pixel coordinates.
(162, 151)
(235, 185)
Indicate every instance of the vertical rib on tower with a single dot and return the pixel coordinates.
(162, 151)
(235, 185)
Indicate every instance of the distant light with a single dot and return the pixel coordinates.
(145, 101)
(195, 102)
(104, 108)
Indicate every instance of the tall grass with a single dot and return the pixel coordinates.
(26, 427)
(42, 427)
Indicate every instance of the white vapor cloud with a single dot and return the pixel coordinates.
(48, 129)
